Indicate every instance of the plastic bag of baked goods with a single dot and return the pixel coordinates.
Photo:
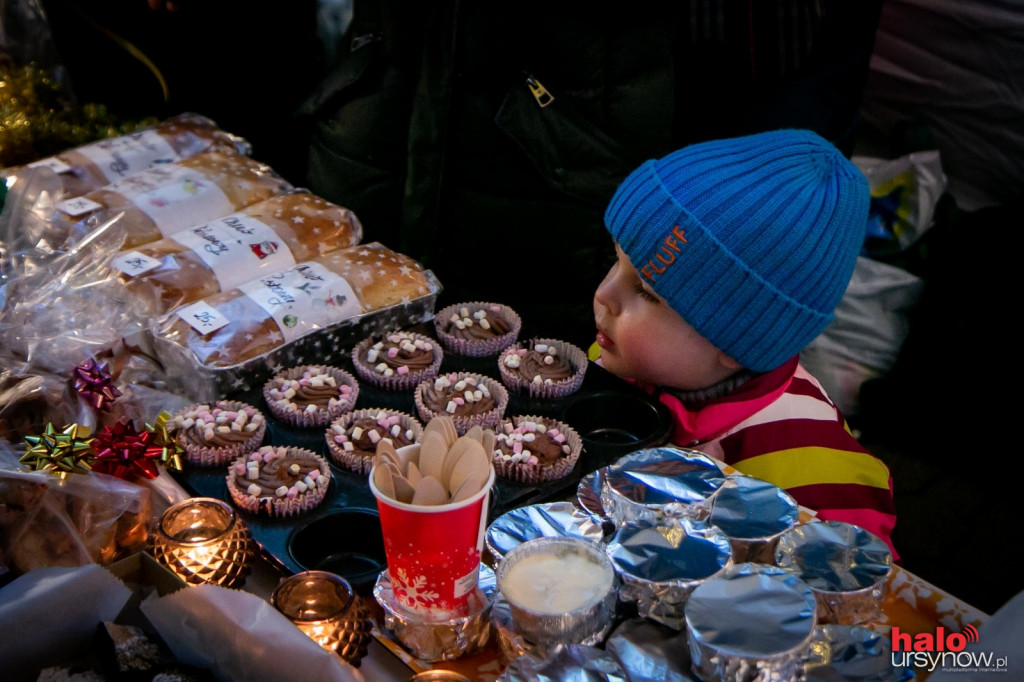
(268, 236)
(175, 196)
(266, 313)
(91, 166)
(46, 521)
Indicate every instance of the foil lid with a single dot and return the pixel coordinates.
(747, 507)
(750, 621)
(852, 652)
(659, 482)
(566, 663)
(440, 640)
(834, 556)
(552, 519)
(649, 652)
(661, 563)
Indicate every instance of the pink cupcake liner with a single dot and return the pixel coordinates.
(198, 453)
(395, 382)
(479, 348)
(535, 473)
(355, 460)
(577, 359)
(463, 423)
(289, 413)
(281, 507)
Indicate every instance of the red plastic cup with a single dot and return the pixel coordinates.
(433, 552)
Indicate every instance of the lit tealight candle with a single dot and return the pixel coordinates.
(323, 605)
(202, 540)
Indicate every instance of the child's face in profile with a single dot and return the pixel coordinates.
(641, 337)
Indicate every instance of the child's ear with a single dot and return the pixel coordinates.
(727, 362)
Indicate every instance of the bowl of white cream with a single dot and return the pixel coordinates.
(560, 590)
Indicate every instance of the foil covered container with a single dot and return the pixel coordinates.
(657, 483)
(845, 566)
(583, 624)
(440, 640)
(548, 519)
(852, 652)
(750, 622)
(661, 563)
(566, 663)
(753, 514)
(650, 652)
(512, 644)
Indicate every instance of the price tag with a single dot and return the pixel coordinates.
(53, 163)
(134, 263)
(203, 318)
(78, 206)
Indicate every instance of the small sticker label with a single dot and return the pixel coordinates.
(203, 318)
(134, 263)
(466, 583)
(53, 163)
(237, 248)
(304, 298)
(119, 157)
(78, 206)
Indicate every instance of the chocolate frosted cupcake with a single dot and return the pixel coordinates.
(311, 395)
(398, 360)
(543, 368)
(352, 438)
(214, 434)
(278, 481)
(530, 449)
(469, 399)
(477, 329)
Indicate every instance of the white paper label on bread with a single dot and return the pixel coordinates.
(174, 197)
(134, 263)
(303, 299)
(119, 157)
(237, 248)
(203, 317)
(78, 206)
(53, 163)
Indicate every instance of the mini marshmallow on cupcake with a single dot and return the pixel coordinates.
(530, 449)
(214, 434)
(543, 368)
(398, 360)
(278, 481)
(311, 395)
(477, 329)
(469, 399)
(352, 438)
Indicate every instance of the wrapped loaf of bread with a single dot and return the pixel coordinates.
(91, 166)
(269, 236)
(266, 313)
(172, 197)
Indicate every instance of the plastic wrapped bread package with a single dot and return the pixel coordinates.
(172, 197)
(268, 236)
(91, 166)
(312, 313)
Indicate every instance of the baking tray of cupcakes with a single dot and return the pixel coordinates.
(549, 432)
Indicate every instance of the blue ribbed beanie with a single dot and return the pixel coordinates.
(752, 240)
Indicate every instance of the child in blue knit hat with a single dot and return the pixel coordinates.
(732, 256)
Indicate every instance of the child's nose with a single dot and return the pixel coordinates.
(605, 295)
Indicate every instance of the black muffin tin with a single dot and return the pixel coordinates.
(342, 534)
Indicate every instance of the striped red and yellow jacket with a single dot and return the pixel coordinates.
(781, 427)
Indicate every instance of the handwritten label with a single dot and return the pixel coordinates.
(203, 318)
(174, 197)
(78, 206)
(119, 157)
(237, 248)
(134, 263)
(303, 299)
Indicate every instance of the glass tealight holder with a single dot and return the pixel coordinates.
(324, 606)
(203, 541)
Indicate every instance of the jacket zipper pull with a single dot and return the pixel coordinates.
(540, 93)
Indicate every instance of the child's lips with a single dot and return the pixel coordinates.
(604, 341)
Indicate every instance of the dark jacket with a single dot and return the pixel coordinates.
(485, 139)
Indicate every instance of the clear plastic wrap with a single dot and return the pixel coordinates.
(91, 166)
(172, 197)
(265, 237)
